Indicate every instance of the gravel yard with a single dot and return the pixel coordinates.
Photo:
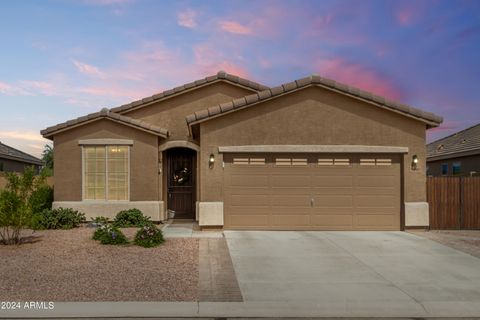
(66, 265)
(467, 241)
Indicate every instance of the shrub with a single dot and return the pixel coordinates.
(149, 236)
(100, 221)
(60, 218)
(131, 218)
(108, 234)
(41, 199)
(15, 209)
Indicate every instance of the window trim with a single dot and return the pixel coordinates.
(106, 174)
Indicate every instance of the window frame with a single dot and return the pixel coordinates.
(459, 164)
(441, 168)
(106, 172)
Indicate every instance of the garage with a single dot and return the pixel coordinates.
(312, 191)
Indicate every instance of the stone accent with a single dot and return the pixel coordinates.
(153, 209)
(416, 214)
(210, 214)
(217, 281)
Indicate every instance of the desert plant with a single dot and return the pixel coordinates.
(131, 218)
(100, 221)
(149, 236)
(61, 218)
(108, 234)
(15, 209)
(41, 199)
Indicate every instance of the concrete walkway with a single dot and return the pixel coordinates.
(322, 274)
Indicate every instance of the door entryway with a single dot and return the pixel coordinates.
(181, 179)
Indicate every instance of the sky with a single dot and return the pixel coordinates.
(63, 59)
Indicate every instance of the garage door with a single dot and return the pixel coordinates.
(312, 192)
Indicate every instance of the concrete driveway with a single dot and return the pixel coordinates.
(354, 274)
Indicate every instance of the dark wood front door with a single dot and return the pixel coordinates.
(181, 182)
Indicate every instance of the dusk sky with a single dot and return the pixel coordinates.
(63, 59)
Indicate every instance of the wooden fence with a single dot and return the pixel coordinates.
(454, 202)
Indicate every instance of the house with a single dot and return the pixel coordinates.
(311, 154)
(457, 154)
(13, 160)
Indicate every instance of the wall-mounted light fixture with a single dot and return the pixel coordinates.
(414, 162)
(211, 160)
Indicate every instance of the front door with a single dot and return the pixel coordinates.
(181, 182)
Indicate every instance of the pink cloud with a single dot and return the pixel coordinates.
(187, 18)
(88, 69)
(235, 27)
(39, 87)
(11, 90)
(358, 76)
(209, 61)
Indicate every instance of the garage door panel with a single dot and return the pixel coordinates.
(375, 201)
(375, 220)
(376, 181)
(290, 181)
(248, 180)
(290, 201)
(329, 181)
(249, 220)
(332, 220)
(297, 220)
(332, 201)
(331, 191)
(249, 200)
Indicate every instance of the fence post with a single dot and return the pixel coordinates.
(460, 209)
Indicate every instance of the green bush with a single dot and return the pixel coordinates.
(41, 199)
(149, 236)
(60, 218)
(100, 221)
(131, 218)
(108, 234)
(15, 209)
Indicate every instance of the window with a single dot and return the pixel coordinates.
(456, 168)
(444, 169)
(105, 172)
(291, 162)
(247, 161)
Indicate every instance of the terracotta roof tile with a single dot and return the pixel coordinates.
(222, 75)
(227, 106)
(214, 110)
(104, 114)
(431, 119)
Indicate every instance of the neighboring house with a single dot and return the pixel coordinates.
(13, 160)
(312, 154)
(457, 154)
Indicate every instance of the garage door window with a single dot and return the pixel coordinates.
(249, 161)
(289, 162)
(375, 162)
(334, 162)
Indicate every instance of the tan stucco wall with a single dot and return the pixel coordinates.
(312, 116)
(170, 114)
(143, 160)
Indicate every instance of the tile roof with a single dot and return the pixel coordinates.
(15, 154)
(105, 114)
(220, 76)
(465, 141)
(431, 119)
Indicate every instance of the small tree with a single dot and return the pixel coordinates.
(15, 208)
(47, 157)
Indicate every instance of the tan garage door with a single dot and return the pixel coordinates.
(312, 192)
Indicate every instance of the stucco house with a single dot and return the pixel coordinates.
(14, 160)
(312, 154)
(455, 155)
